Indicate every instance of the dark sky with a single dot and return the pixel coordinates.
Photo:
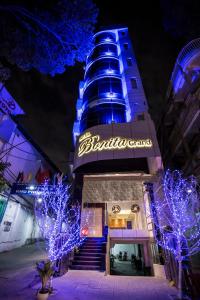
(49, 102)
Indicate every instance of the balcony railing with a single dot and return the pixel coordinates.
(184, 56)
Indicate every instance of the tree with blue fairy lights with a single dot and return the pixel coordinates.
(177, 218)
(58, 220)
(47, 36)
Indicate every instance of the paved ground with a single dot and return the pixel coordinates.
(18, 281)
(125, 268)
(23, 258)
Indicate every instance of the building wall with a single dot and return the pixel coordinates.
(21, 229)
(118, 101)
(179, 129)
(136, 130)
(17, 222)
(178, 133)
(22, 156)
(114, 156)
(136, 97)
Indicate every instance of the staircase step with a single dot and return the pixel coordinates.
(91, 247)
(87, 258)
(84, 267)
(90, 251)
(87, 263)
(93, 242)
(86, 254)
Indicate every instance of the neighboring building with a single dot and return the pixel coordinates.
(179, 130)
(116, 155)
(29, 166)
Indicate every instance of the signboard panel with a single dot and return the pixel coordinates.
(7, 104)
(117, 141)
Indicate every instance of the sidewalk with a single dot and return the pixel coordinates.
(18, 281)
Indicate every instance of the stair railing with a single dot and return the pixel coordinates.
(107, 272)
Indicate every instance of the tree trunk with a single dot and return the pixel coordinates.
(180, 279)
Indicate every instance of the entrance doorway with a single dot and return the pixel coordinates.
(91, 218)
(127, 260)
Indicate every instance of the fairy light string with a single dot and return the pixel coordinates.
(59, 220)
(177, 215)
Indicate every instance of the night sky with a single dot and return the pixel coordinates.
(49, 102)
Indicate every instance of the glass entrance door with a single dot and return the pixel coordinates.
(92, 219)
(128, 259)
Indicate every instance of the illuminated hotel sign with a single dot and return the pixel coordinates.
(92, 143)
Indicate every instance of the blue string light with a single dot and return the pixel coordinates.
(58, 220)
(177, 219)
(177, 216)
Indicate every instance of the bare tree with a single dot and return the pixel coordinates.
(47, 37)
(177, 218)
(58, 220)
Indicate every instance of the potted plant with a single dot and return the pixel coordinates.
(45, 270)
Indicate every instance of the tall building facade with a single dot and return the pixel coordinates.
(116, 153)
(179, 130)
(112, 90)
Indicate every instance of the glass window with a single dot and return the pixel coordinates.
(103, 114)
(100, 87)
(3, 204)
(140, 117)
(126, 46)
(134, 83)
(129, 62)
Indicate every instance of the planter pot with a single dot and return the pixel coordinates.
(42, 296)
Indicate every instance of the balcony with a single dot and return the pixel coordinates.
(105, 37)
(102, 50)
(130, 233)
(186, 123)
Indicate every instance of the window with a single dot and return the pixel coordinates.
(129, 62)
(123, 33)
(133, 83)
(140, 117)
(7, 226)
(129, 225)
(3, 204)
(126, 46)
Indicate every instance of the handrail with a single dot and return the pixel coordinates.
(99, 44)
(103, 56)
(107, 272)
(183, 58)
(88, 82)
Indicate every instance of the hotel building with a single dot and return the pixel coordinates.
(116, 157)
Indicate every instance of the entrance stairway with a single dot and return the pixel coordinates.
(91, 255)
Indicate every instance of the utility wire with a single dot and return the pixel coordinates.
(8, 150)
(16, 146)
(24, 158)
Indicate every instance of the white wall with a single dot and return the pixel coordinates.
(22, 158)
(22, 228)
